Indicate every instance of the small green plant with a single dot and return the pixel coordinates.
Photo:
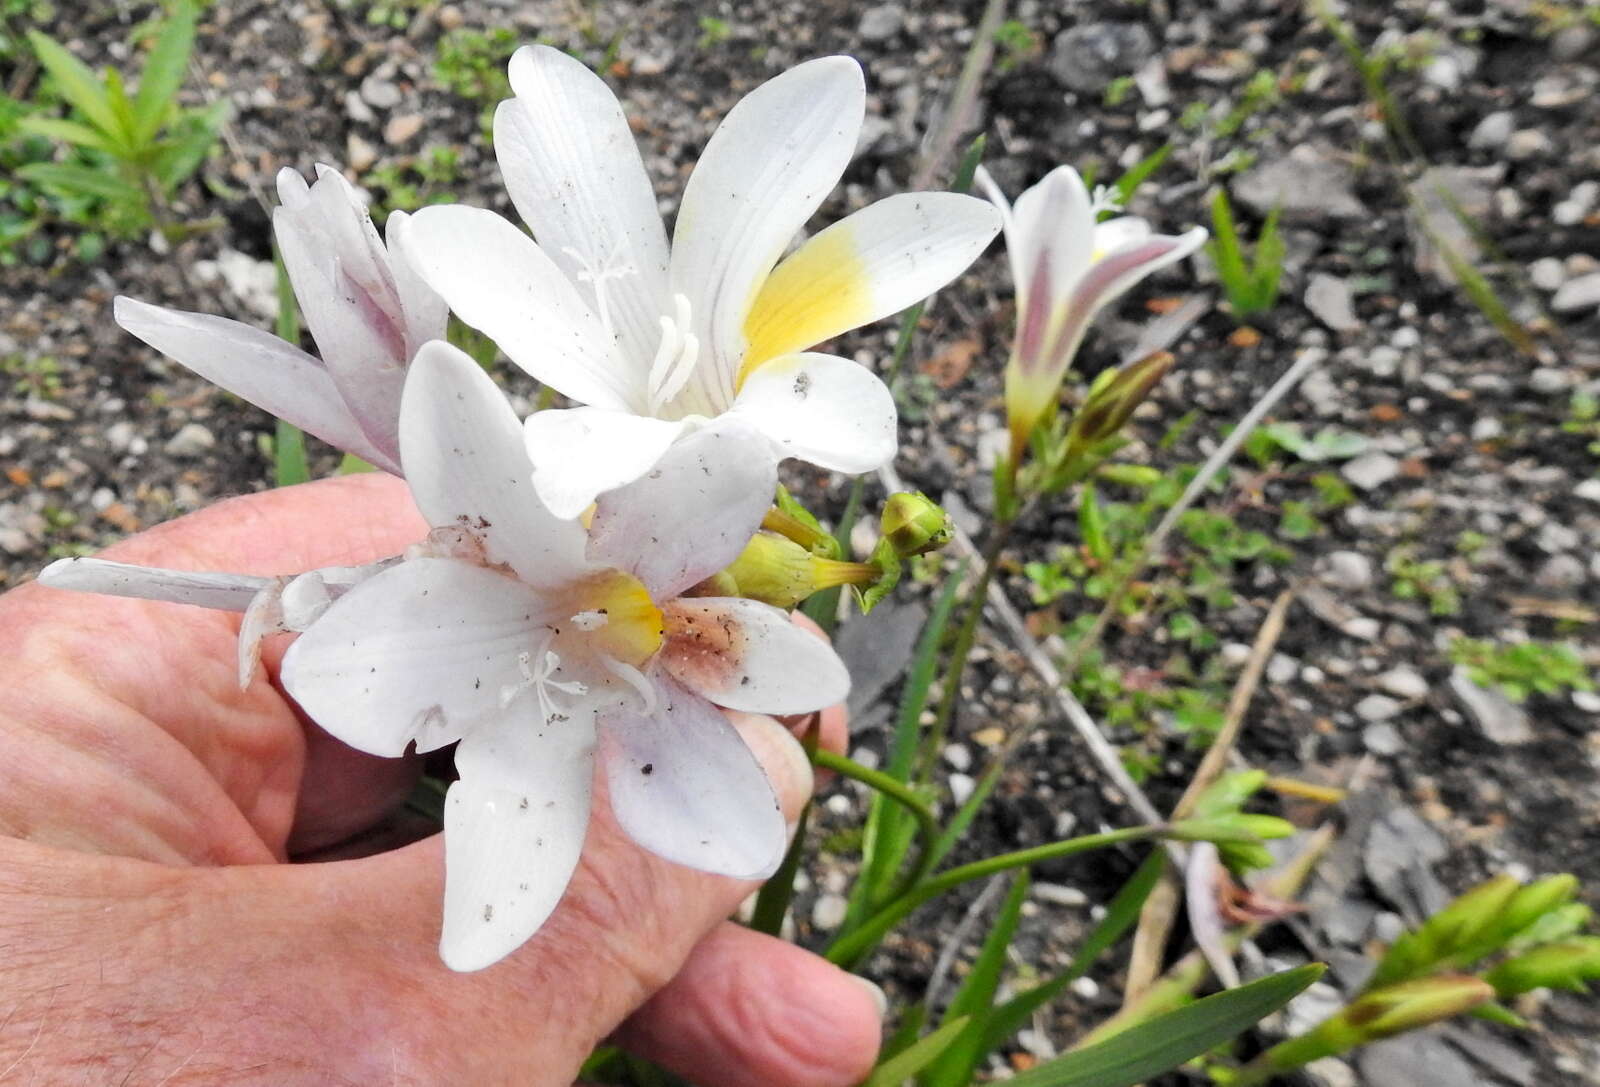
(1117, 91)
(410, 183)
(1261, 92)
(713, 31)
(1522, 668)
(127, 153)
(1016, 43)
(1425, 580)
(1251, 286)
(1583, 418)
(472, 63)
(395, 14)
(38, 376)
(1329, 443)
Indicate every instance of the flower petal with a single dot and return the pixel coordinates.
(275, 376)
(823, 409)
(500, 282)
(868, 265)
(422, 652)
(340, 273)
(513, 832)
(764, 172)
(468, 469)
(223, 592)
(427, 317)
(750, 656)
(574, 172)
(580, 453)
(1051, 235)
(684, 786)
(693, 514)
(1106, 280)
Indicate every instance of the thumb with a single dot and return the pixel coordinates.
(623, 929)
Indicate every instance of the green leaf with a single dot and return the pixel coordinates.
(1167, 1041)
(122, 110)
(915, 1057)
(1120, 916)
(1092, 525)
(289, 456)
(67, 132)
(163, 73)
(889, 828)
(178, 157)
(772, 901)
(81, 180)
(956, 1066)
(78, 86)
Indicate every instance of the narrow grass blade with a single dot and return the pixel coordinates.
(81, 181)
(973, 1001)
(889, 828)
(1008, 1018)
(67, 132)
(1169, 1040)
(915, 1057)
(772, 902)
(289, 444)
(1140, 172)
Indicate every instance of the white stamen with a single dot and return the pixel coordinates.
(588, 621)
(598, 274)
(1104, 198)
(539, 678)
(674, 363)
(635, 679)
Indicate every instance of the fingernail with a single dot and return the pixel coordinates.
(787, 765)
(879, 997)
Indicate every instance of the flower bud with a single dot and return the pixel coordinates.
(775, 570)
(1413, 1004)
(914, 524)
(1537, 899)
(1569, 964)
(1465, 930)
(1112, 400)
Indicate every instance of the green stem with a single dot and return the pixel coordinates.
(965, 637)
(857, 943)
(927, 823)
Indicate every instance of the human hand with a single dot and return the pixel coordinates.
(152, 932)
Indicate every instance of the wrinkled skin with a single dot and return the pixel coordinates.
(152, 932)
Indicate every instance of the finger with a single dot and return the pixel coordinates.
(831, 724)
(750, 1010)
(624, 927)
(142, 697)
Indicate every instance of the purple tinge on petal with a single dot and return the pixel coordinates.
(684, 786)
(1105, 281)
(1038, 303)
(692, 514)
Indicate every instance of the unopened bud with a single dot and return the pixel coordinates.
(775, 570)
(914, 524)
(1113, 399)
(1457, 935)
(1569, 964)
(1409, 1005)
(1537, 899)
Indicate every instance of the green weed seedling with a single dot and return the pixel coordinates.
(1251, 284)
(38, 377)
(1424, 580)
(1522, 668)
(125, 154)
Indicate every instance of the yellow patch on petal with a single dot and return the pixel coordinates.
(817, 293)
(632, 627)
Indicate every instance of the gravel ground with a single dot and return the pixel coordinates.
(1469, 456)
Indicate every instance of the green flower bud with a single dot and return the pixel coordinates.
(775, 570)
(1537, 899)
(1112, 400)
(1409, 1005)
(914, 524)
(1569, 964)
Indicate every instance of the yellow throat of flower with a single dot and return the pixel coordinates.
(622, 622)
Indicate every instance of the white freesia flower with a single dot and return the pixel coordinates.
(367, 309)
(660, 342)
(1066, 266)
(539, 645)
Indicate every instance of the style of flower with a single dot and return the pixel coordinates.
(1065, 267)
(367, 309)
(659, 342)
(541, 646)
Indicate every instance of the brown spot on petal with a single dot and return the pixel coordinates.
(704, 647)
